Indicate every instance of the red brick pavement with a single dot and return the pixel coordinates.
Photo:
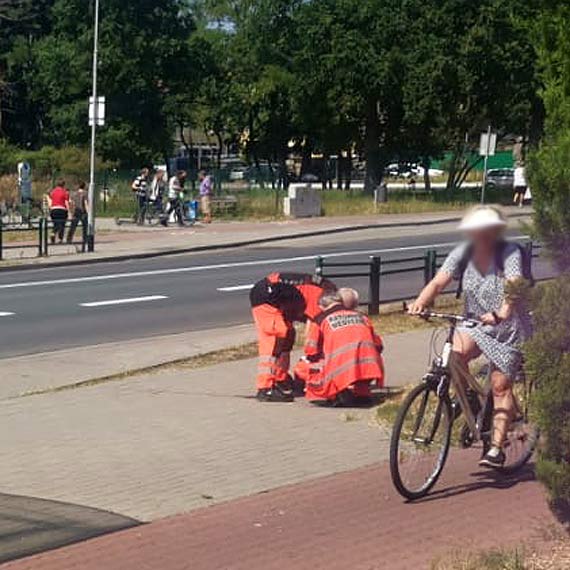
(350, 521)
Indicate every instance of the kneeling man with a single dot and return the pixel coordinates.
(343, 354)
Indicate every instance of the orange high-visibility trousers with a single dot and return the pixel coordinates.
(276, 337)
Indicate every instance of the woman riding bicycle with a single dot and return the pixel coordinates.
(484, 265)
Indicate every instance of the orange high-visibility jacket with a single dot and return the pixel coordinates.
(297, 295)
(350, 349)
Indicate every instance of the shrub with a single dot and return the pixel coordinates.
(548, 363)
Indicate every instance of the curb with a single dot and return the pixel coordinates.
(224, 246)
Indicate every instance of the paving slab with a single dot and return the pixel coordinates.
(165, 443)
(352, 521)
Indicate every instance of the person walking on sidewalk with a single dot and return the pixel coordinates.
(343, 354)
(175, 198)
(277, 302)
(206, 191)
(484, 267)
(80, 207)
(58, 201)
(140, 189)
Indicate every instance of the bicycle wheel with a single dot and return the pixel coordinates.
(420, 442)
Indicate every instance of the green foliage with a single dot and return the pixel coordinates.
(548, 363)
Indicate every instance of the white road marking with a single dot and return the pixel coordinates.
(124, 301)
(6, 314)
(260, 262)
(235, 288)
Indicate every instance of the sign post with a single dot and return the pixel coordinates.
(487, 148)
(95, 120)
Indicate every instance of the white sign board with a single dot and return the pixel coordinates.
(488, 145)
(25, 181)
(97, 112)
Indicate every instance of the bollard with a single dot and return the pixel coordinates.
(374, 286)
(430, 265)
(46, 228)
(41, 237)
(1, 228)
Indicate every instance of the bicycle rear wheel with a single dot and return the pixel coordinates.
(420, 442)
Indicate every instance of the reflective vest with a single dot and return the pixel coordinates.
(349, 348)
(296, 294)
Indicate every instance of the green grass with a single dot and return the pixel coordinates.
(493, 560)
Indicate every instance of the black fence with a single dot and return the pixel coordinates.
(376, 269)
(37, 235)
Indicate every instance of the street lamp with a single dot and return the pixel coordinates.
(93, 120)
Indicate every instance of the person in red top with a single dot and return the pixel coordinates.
(277, 302)
(58, 200)
(343, 354)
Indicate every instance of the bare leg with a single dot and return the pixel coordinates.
(504, 404)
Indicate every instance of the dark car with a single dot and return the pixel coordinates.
(501, 179)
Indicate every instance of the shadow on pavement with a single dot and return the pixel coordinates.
(29, 525)
(483, 480)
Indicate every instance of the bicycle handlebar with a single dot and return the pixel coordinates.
(446, 317)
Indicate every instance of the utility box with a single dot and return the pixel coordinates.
(303, 201)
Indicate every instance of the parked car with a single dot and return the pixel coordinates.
(500, 179)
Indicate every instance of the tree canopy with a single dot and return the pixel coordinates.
(387, 79)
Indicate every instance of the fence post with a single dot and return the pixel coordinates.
(41, 237)
(46, 228)
(319, 266)
(374, 286)
(430, 265)
(1, 232)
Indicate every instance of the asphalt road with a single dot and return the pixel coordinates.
(55, 308)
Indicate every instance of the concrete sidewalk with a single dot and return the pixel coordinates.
(176, 440)
(127, 242)
(25, 375)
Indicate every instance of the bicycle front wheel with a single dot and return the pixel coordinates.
(420, 442)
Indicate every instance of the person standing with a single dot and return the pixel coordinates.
(58, 201)
(175, 198)
(520, 185)
(206, 191)
(157, 191)
(140, 188)
(80, 207)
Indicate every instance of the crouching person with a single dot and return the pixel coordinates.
(343, 354)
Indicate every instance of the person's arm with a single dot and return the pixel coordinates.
(426, 298)
(49, 200)
(513, 276)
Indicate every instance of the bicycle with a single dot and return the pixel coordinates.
(423, 429)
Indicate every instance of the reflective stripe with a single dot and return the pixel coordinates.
(349, 348)
(348, 365)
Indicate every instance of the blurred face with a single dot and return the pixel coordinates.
(485, 239)
(145, 171)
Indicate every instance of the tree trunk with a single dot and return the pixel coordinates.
(372, 153)
(306, 152)
(220, 150)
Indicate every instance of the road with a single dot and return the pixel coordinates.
(56, 308)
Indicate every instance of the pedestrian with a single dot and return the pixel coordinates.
(140, 189)
(343, 354)
(80, 207)
(175, 198)
(277, 302)
(486, 267)
(206, 191)
(157, 191)
(58, 201)
(520, 185)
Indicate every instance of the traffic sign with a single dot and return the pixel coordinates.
(97, 112)
(488, 144)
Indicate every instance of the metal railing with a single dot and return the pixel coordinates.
(41, 241)
(375, 269)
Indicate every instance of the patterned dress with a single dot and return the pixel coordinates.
(485, 293)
